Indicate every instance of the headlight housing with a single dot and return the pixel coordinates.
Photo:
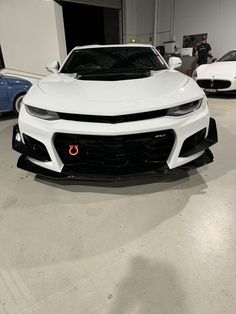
(42, 113)
(185, 109)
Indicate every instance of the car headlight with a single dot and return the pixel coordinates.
(185, 109)
(42, 113)
(194, 75)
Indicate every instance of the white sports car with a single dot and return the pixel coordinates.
(219, 76)
(112, 111)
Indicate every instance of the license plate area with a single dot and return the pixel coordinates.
(210, 90)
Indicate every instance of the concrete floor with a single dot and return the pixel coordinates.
(167, 247)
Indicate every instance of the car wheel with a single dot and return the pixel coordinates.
(17, 104)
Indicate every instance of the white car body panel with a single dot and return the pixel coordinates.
(44, 131)
(64, 93)
(218, 68)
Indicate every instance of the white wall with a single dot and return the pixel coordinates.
(139, 20)
(164, 20)
(215, 17)
(31, 34)
(60, 31)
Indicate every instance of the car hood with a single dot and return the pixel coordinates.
(227, 68)
(65, 93)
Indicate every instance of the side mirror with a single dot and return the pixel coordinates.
(174, 63)
(53, 67)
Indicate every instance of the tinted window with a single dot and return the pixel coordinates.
(113, 59)
(230, 56)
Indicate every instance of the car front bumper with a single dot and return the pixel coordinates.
(68, 173)
(217, 84)
(35, 140)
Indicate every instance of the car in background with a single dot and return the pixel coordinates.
(12, 91)
(219, 76)
(112, 111)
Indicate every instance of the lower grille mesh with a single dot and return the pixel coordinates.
(114, 153)
(214, 84)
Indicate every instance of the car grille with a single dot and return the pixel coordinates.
(115, 153)
(113, 119)
(214, 84)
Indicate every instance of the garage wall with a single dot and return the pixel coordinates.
(31, 34)
(139, 20)
(215, 17)
(60, 32)
(164, 20)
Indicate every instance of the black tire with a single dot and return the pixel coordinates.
(17, 104)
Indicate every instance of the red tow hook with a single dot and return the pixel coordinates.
(74, 150)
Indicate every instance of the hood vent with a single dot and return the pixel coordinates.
(114, 76)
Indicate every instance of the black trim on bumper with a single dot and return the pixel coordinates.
(113, 119)
(31, 148)
(67, 174)
(195, 144)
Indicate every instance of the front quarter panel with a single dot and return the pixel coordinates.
(202, 68)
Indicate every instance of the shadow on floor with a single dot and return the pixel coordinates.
(65, 227)
(163, 181)
(150, 286)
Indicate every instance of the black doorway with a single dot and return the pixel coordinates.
(2, 65)
(86, 24)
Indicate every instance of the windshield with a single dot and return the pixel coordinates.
(113, 60)
(230, 56)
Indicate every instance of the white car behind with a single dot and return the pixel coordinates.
(219, 76)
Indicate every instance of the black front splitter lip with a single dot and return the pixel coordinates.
(68, 174)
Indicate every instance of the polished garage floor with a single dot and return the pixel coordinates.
(167, 247)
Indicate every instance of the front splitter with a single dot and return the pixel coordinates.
(68, 173)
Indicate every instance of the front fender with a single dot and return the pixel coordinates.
(201, 68)
(13, 92)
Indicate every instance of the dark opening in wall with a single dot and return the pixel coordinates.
(86, 24)
(2, 64)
